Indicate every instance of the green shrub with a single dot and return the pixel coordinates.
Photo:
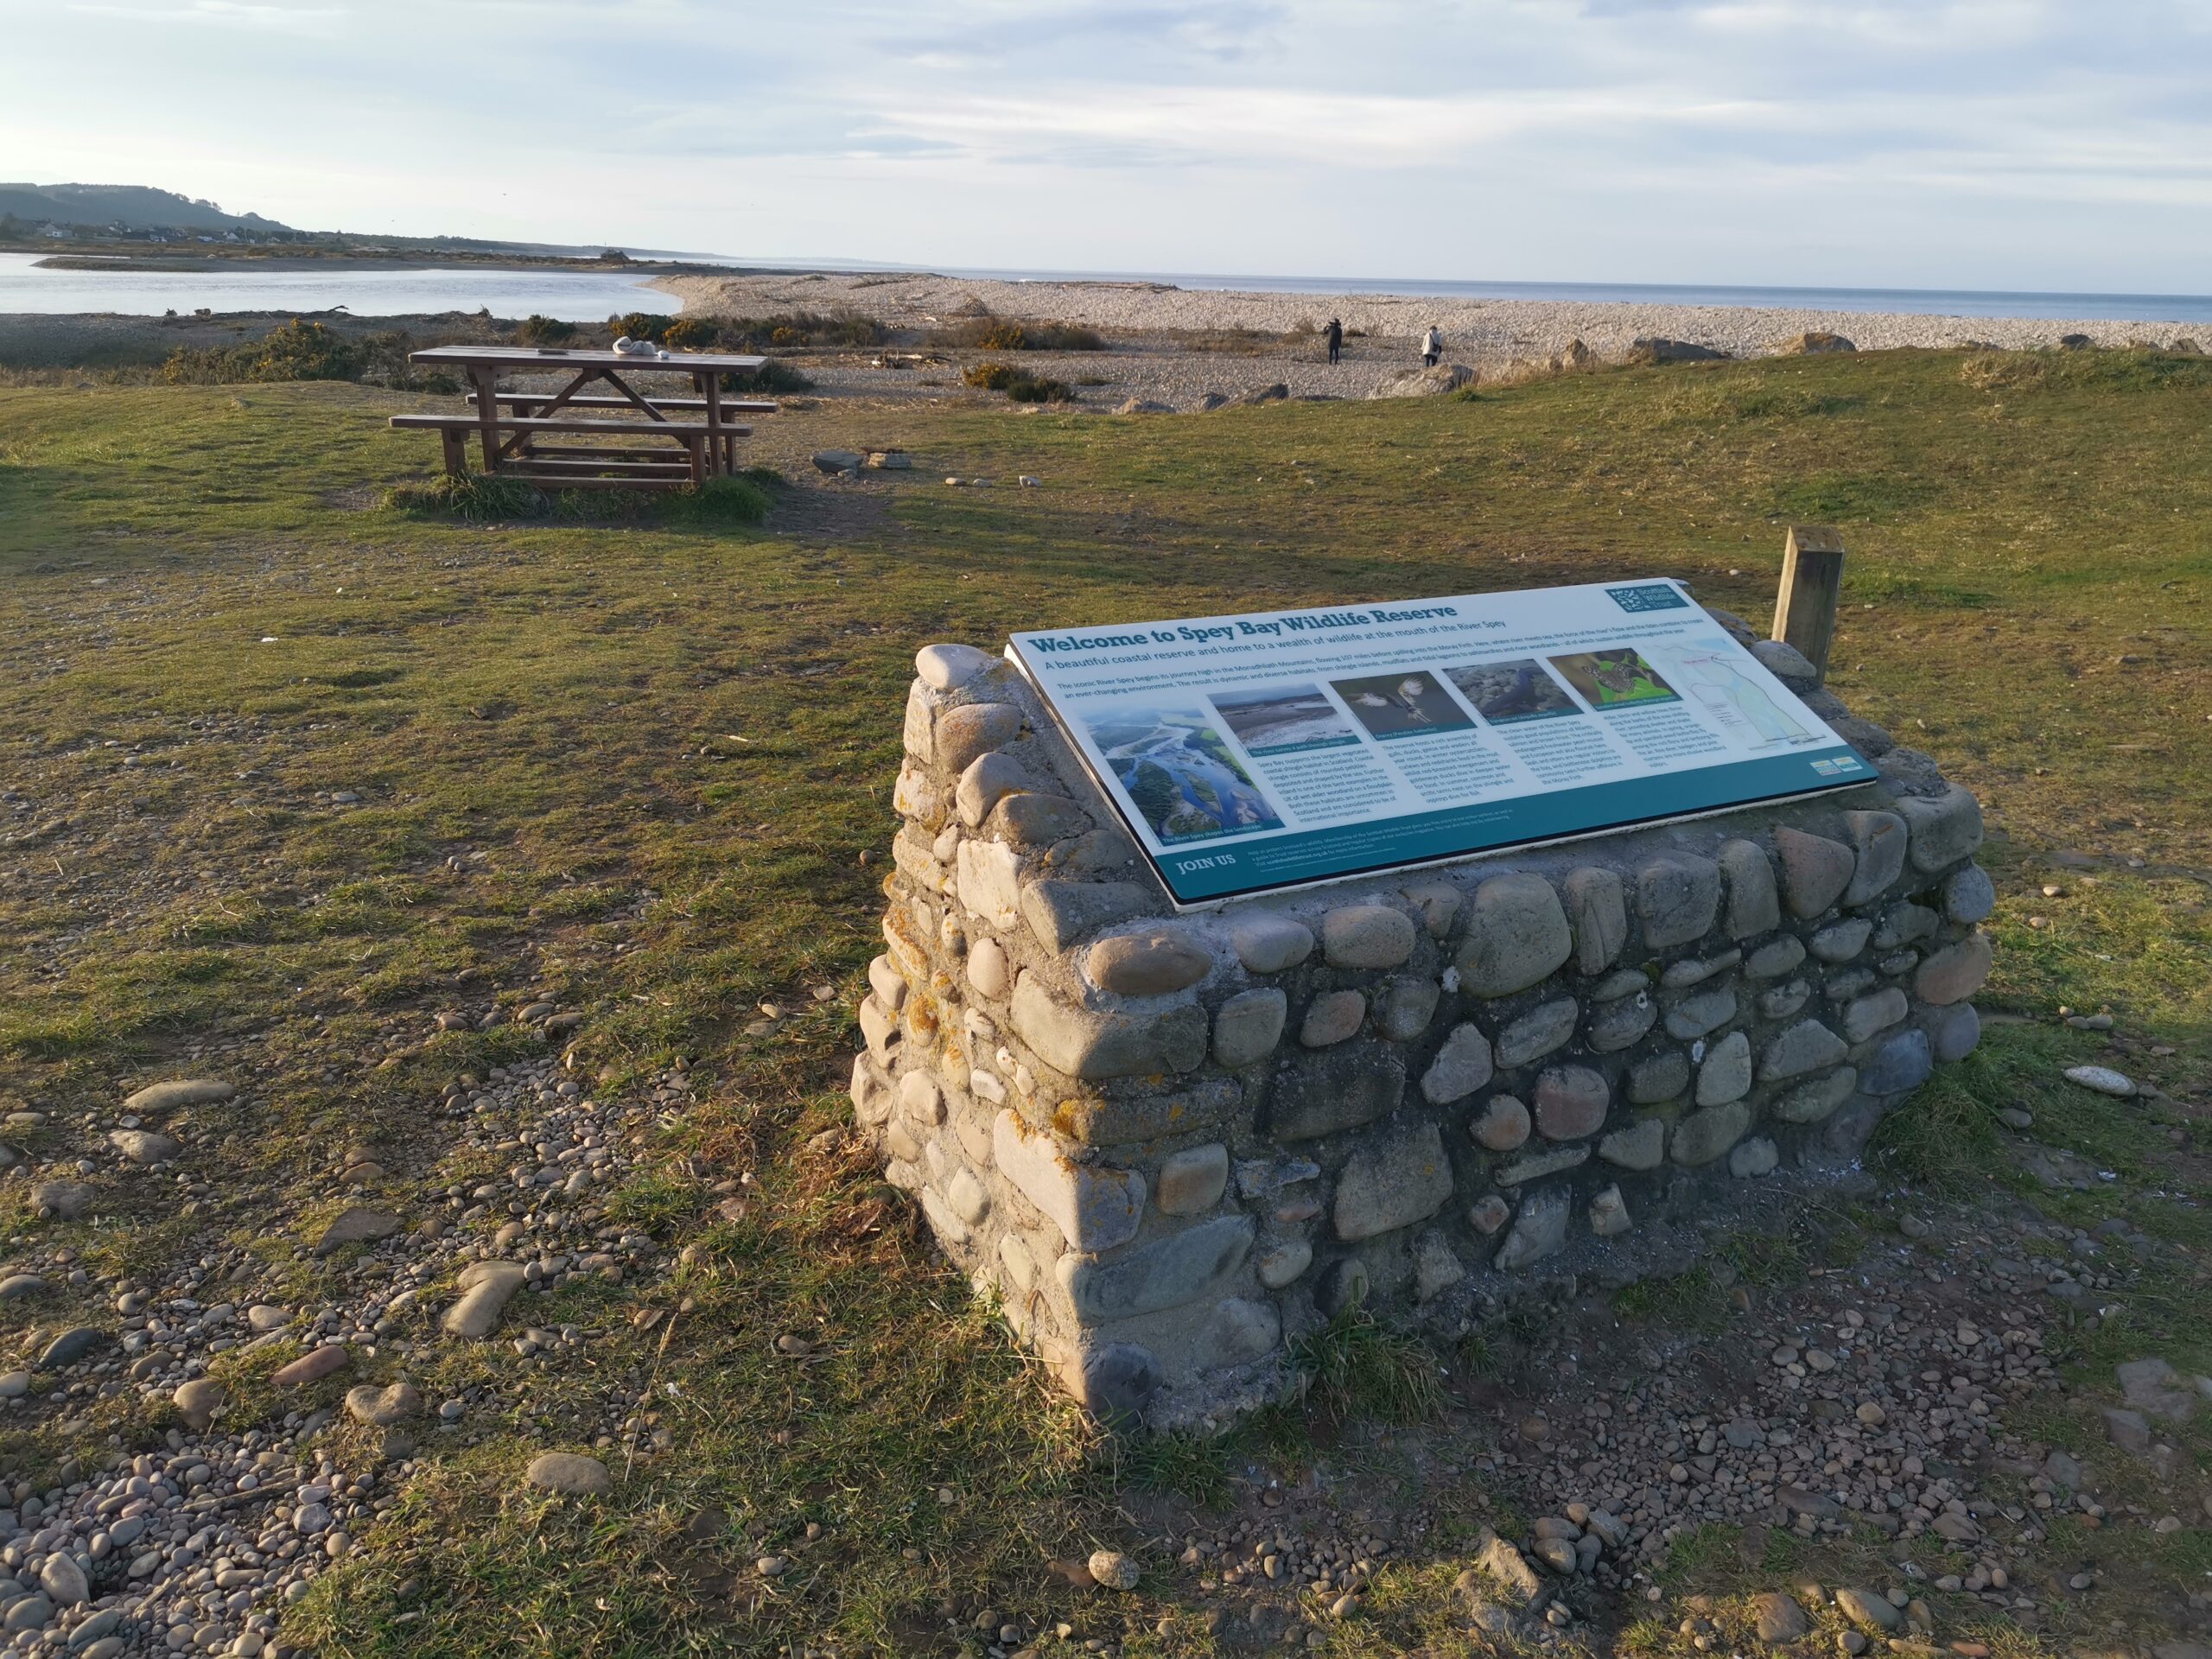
(1018, 383)
(1039, 389)
(720, 501)
(773, 375)
(533, 330)
(298, 351)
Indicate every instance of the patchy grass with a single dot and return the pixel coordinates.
(642, 764)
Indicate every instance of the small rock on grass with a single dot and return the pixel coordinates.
(486, 1289)
(570, 1473)
(143, 1146)
(1778, 1618)
(70, 1347)
(1113, 1570)
(382, 1408)
(312, 1366)
(2102, 1079)
(64, 1200)
(182, 1091)
(1868, 1610)
(359, 1225)
(198, 1400)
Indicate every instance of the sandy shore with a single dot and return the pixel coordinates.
(1477, 331)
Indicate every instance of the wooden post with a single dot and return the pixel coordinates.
(1812, 581)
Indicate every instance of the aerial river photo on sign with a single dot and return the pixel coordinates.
(1257, 752)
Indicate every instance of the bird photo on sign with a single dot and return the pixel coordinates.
(1402, 705)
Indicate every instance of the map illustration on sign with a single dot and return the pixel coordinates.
(1256, 752)
(1174, 768)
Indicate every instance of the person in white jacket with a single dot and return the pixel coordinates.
(1431, 347)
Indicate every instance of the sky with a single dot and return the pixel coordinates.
(2013, 145)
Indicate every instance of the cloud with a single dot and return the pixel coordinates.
(224, 14)
(1976, 141)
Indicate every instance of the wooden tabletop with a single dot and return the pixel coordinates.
(546, 357)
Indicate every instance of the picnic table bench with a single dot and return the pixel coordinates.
(652, 449)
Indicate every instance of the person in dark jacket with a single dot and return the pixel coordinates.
(1336, 338)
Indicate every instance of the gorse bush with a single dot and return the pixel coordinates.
(534, 330)
(307, 351)
(1018, 383)
(773, 375)
(640, 325)
(690, 334)
(298, 351)
(791, 329)
(1005, 334)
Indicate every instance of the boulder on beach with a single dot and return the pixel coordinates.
(1144, 406)
(1275, 394)
(1656, 349)
(1426, 382)
(1812, 342)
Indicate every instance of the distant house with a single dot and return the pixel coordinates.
(59, 232)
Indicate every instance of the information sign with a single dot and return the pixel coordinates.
(1251, 753)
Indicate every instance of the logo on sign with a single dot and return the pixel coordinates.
(1654, 597)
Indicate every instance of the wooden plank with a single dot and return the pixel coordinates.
(730, 405)
(534, 357)
(1812, 582)
(659, 456)
(677, 429)
(454, 442)
(676, 469)
(588, 481)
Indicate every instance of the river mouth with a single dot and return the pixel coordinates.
(77, 284)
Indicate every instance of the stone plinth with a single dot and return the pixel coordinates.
(1165, 1144)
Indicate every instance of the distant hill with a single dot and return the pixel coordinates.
(133, 207)
(137, 209)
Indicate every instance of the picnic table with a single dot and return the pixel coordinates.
(640, 441)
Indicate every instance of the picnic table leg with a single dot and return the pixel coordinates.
(710, 388)
(457, 449)
(487, 414)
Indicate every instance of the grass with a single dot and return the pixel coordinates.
(674, 732)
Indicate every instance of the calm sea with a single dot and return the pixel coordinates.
(571, 295)
(591, 295)
(1910, 302)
